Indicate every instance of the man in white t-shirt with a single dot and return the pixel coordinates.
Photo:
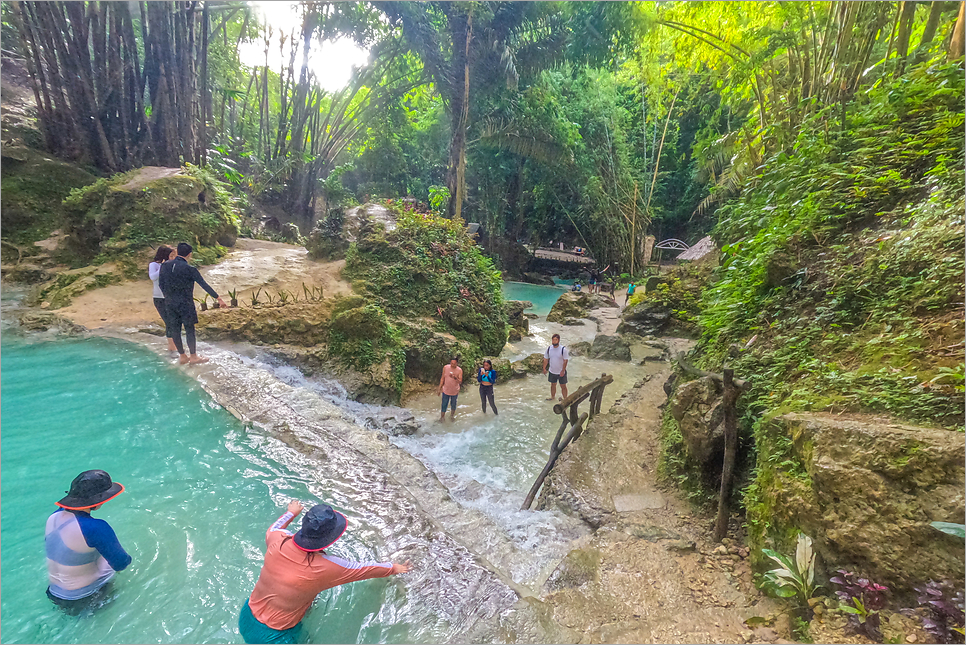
(556, 358)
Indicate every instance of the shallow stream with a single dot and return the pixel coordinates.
(202, 487)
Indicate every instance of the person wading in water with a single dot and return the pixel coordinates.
(83, 553)
(556, 358)
(296, 570)
(487, 377)
(177, 280)
(449, 387)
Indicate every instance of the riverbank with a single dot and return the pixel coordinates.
(519, 562)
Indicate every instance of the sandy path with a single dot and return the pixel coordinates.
(658, 577)
(251, 265)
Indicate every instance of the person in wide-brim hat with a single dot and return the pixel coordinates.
(296, 569)
(83, 553)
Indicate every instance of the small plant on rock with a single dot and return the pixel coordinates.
(203, 302)
(233, 297)
(944, 611)
(862, 599)
(255, 301)
(308, 292)
(793, 578)
(283, 296)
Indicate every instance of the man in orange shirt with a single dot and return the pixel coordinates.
(449, 387)
(296, 569)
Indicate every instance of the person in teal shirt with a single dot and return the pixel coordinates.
(630, 292)
(487, 377)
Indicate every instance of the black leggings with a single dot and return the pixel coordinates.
(174, 322)
(486, 394)
(159, 305)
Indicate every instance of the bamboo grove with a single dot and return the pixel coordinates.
(599, 123)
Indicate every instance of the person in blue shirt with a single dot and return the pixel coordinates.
(83, 553)
(487, 377)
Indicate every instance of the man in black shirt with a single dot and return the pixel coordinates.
(177, 281)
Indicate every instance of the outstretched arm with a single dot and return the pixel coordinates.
(294, 508)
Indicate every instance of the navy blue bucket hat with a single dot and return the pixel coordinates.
(90, 488)
(321, 527)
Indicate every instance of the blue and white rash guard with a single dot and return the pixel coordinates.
(82, 554)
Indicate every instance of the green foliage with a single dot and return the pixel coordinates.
(438, 199)
(429, 268)
(362, 336)
(792, 578)
(842, 264)
(674, 466)
(950, 528)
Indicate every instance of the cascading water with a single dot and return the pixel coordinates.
(203, 487)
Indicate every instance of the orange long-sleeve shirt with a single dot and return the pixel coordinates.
(291, 578)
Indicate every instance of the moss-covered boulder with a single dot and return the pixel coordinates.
(428, 268)
(865, 490)
(576, 305)
(426, 351)
(502, 366)
(34, 187)
(61, 290)
(149, 206)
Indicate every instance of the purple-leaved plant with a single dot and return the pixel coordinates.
(861, 599)
(944, 611)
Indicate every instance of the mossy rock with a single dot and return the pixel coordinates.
(533, 363)
(34, 187)
(65, 286)
(366, 322)
(149, 206)
(503, 367)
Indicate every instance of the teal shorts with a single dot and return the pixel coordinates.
(254, 631)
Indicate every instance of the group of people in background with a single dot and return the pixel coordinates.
(84, 554)
(555, 360)
(174, 281)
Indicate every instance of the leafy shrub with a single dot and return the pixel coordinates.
(944, 611)
(861, 599)
(792, 578)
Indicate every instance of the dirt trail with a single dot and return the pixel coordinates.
(650, 574)
(250, 265)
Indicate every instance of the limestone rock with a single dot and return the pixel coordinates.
(514, 335)
(579, 349)
(25, 273)
(696, 406)
(645, 319)
(533, 363)
(45, 321)
(576, 305)
(538, 278)
(866, 490)
(611, 348)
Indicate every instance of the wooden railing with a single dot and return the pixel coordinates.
(732, 388)
(575, 421)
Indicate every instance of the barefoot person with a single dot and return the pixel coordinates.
(83, 553)
(177, 279)
(449, 387)
(556, 358)
(164, 254)
(487, 377)
(630, 292)
(296, 570)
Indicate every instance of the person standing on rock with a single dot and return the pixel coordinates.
(164, 254)
(630, 292)
(83, 553)
(556, 358)
(177, 280)
(487, 377)
(449, 387)
(296, 570)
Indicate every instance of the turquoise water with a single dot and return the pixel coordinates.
(541, 296)
(201, 491)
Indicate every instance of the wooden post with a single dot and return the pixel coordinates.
(731, 445)
(554, 453)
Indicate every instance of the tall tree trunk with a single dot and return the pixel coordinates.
(929, 31)
(956, 41)
(456, 169)
(907, 15)
(205, 89)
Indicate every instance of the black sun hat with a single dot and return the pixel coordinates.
(90, 488)
(321, 527)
